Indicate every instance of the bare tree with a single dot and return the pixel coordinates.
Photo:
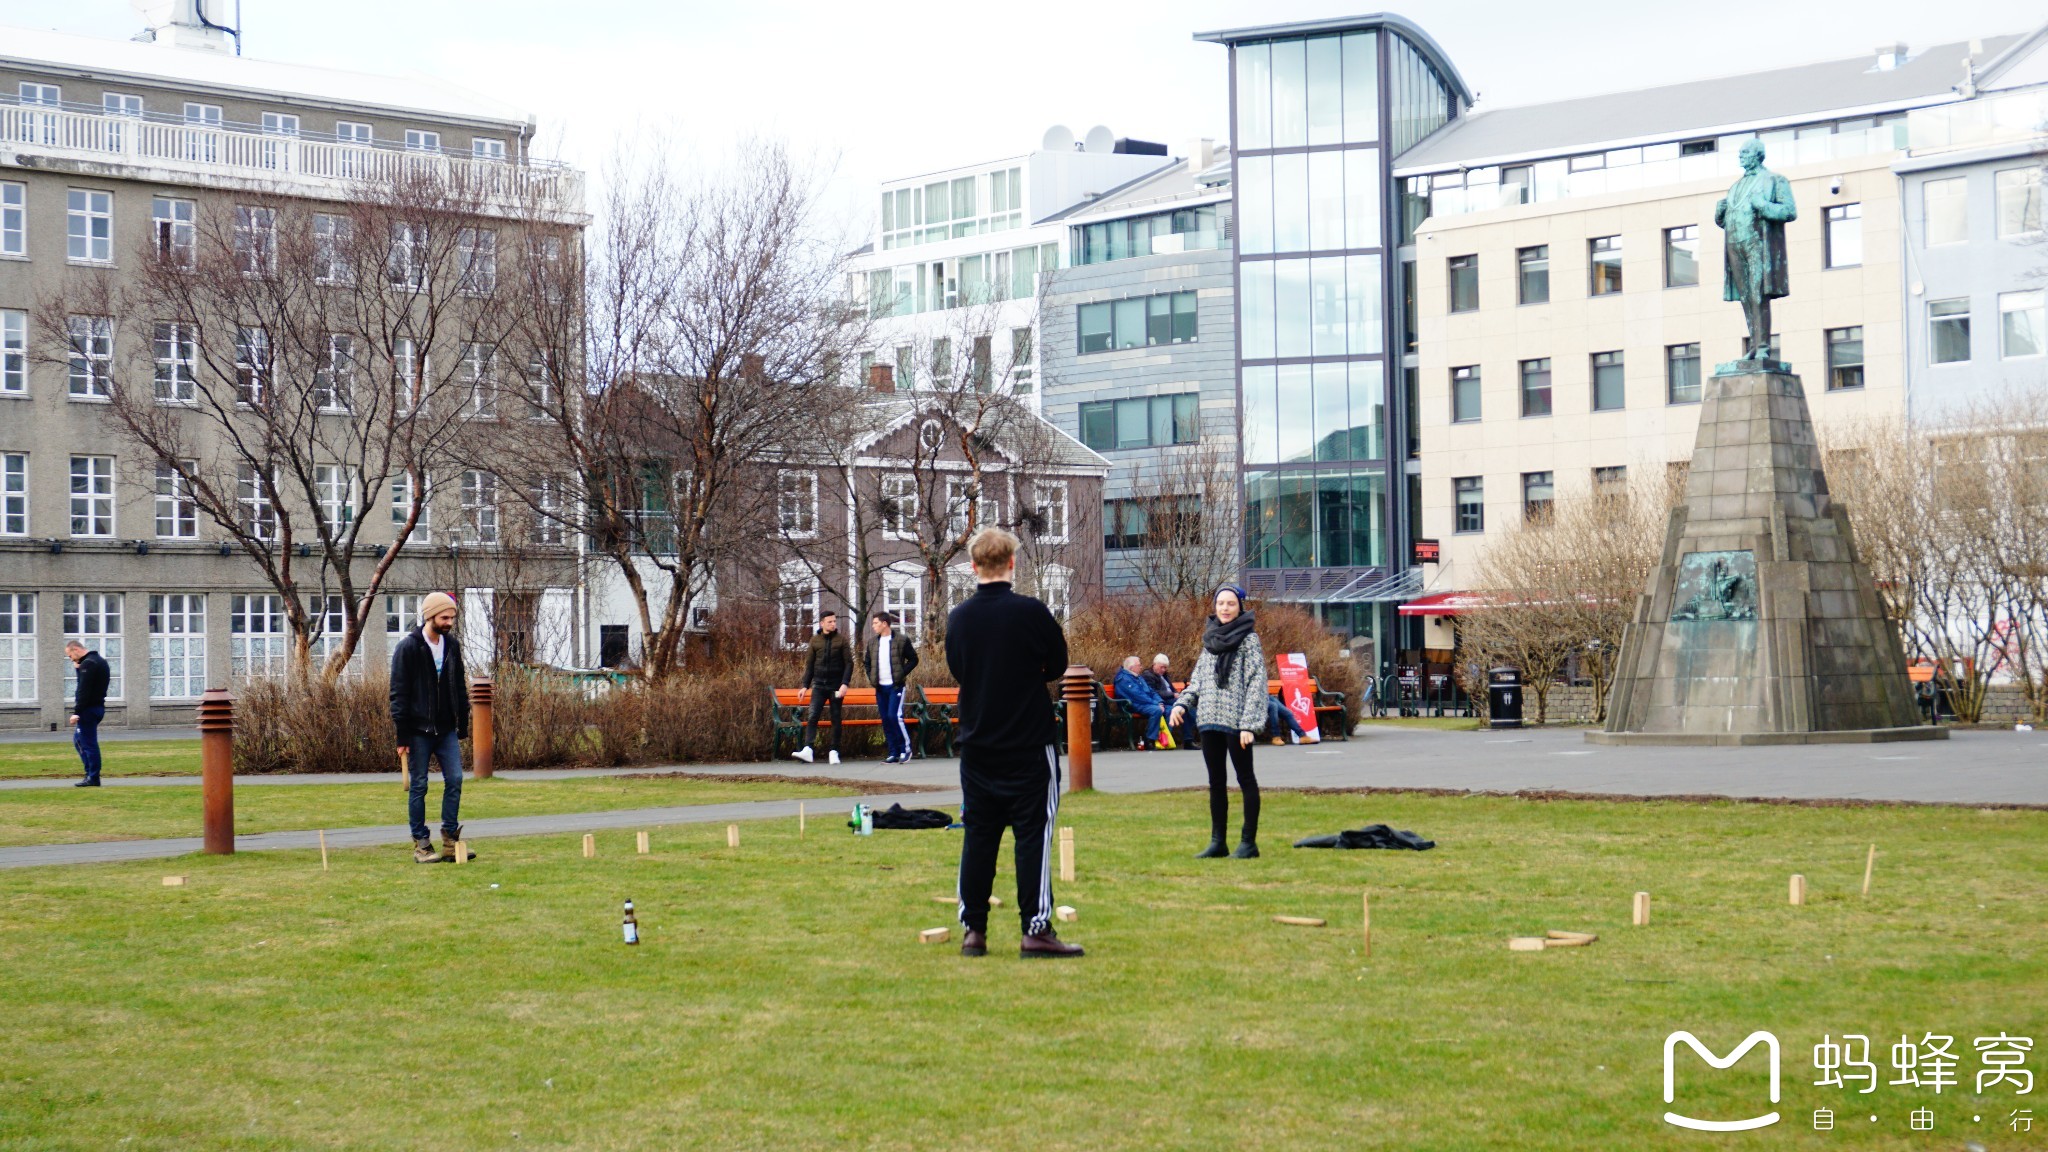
(1185, 512)
(290, 362)
(711, 331)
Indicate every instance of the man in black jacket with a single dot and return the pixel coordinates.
(1002, 649)
(890, 661)
(430, 711)
(828, 666)
(88, 708)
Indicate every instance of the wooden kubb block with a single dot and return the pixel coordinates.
(934, 935)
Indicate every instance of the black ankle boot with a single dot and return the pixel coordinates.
(1246, 850)
(1214, 851)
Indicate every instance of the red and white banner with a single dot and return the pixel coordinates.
(1298, 693)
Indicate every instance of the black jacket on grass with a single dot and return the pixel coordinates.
(422, 702)
(1002, 648)
(93, 677)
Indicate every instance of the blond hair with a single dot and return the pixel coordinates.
(992, 550)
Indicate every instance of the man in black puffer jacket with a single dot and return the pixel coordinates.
(430, 713)
(828, 668)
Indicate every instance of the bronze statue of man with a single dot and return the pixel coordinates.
(1753, 216)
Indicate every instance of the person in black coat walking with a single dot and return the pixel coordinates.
(88, 708)
(828, 669)
(430, 713)
(1002, 648)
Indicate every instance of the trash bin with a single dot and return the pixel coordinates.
(1504, 698)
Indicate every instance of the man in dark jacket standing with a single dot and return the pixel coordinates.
(828, 666)
(430, 711)
(88, 708)
(891, 659)
(1002, 649)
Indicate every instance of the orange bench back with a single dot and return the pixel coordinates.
(801, 697)
(941, 695)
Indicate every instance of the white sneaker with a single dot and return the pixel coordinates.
(803, 754)
(834, 757)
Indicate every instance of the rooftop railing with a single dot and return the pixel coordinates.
(205, 150)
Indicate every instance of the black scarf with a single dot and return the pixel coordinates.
(1223, 641)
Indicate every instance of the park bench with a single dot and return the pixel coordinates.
(1128, 716)
(1329, 709)
(792, 706)
(939, 709)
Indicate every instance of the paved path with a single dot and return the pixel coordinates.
(268, 780)
(1972, 767)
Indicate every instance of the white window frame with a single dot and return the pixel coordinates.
(796, 507)
(279, 124)
(177, 514)
(334, 384)
(2028, 187)
(2021, 303)
(92, 358)
(94, 620)
(1936, 321)
(899, 504)
(401, 507)
(174, 229)
(354, 132)
(903, 594)
(92, 497)
(176, 372)
(14, 519)
(1049, 501)
(88, 226)
(476, 251)
(13, 218)
(333, 237)
(334, 487)
(797, 596)
(327, 616)
(540, 386)
(47, 95)
(255, 239)
(13, 352)
(479, 370)
(252, 365)
(404, 266)
(421, 140)
(17, 647)
(480, 508)
(988, 509)
(401, 611)
(177, 645)
(1054, 584)
(121, 104)
(253, 499)
(547, 515)
(257, 632)
(1954, 194)
(405, 375)
(486, 148)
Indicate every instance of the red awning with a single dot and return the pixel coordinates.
(1443, 604)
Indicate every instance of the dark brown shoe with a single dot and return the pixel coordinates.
(974, 943)
(1047, 945)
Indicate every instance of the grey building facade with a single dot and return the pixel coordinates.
(1139, 365)
(114, 153)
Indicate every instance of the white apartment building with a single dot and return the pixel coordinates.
(952, 276)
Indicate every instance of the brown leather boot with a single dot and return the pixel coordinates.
(974, 943)
(1047, 945)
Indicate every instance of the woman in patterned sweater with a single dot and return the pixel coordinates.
(1228, 695)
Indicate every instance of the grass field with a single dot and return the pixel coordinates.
(71, 815)
(781, 1000)
(31, 758)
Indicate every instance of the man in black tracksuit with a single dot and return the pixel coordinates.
(1002, 648)
(828, 669)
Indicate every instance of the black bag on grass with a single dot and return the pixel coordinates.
(900, 817)
(1376, 836)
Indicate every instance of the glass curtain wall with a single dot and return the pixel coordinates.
(1311, 294)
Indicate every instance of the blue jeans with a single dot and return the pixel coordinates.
(85, 736)
(448, 750)
(895, 733)
(1281, 720)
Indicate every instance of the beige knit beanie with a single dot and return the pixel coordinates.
(435, 602)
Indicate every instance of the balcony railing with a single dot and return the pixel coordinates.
(207, 150)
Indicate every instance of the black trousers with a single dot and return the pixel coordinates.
(1215, 746)
(1020, 791)
(821, 699)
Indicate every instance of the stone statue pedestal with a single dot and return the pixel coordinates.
(1760, 625)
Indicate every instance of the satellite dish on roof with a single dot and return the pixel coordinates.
(1058, 138)
(1100, 139)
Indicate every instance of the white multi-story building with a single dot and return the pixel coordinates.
(952, 276)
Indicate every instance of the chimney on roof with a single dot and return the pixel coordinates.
(882, 378)
(1201, 153)
(1890, 56)
(186, 24)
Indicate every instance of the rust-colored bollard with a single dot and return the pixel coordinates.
(480, 734)
(1077, 688)
(217, 769)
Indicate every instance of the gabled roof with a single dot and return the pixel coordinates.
(1716, 106)
(886, 415)
(220, 72)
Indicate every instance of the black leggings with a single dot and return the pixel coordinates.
(1215, 745)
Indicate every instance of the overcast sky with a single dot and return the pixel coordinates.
(882, 90)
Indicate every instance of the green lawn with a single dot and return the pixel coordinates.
(781, 1000)
(117, 758)
(68, 815)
